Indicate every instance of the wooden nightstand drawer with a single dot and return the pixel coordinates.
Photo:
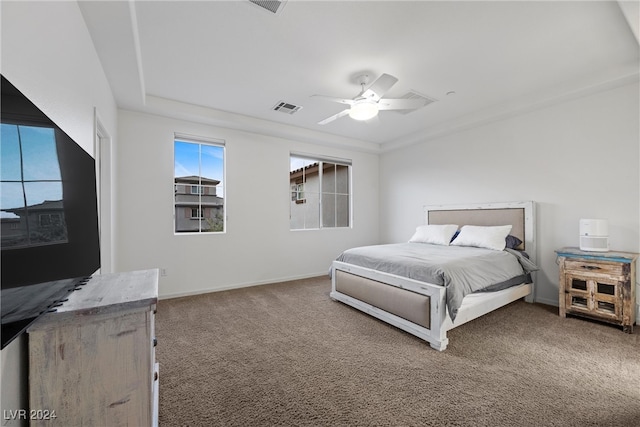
(591, 267)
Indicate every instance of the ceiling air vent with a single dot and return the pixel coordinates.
(415, 95)
(286, 107)
(273, 6)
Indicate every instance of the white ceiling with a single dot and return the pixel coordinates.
(229, 62)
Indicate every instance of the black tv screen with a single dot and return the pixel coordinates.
(48, 213)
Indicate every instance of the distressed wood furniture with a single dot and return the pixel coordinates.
(598, 286)
(399, 297)
(92, 362)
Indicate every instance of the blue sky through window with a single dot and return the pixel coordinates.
(36, 166)
(199, 159)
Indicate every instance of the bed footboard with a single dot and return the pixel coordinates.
(413, 306)
(416, 307)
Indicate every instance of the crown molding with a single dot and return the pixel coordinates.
(204, 115)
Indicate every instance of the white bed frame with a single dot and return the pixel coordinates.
(474, 305)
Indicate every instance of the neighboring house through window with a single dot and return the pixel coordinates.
(320, 192)
(198, 185)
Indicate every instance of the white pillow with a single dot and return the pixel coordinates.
(435, 234)
(483, 237)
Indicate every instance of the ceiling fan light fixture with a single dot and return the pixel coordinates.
(363, 110)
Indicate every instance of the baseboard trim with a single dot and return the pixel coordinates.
(553, 302)
(240, 285)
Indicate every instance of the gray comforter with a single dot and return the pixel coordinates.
(461, 270)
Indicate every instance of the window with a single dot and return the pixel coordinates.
(48, 220)
(31, 202)
(297, 193)
(198, 185)
(45, 220)
(320, 192)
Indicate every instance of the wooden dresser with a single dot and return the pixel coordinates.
(92, 362)
(598, 285)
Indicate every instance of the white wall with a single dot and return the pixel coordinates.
(47, 53)
(578, 159)
(258, 246)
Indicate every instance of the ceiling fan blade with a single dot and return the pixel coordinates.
(401, 104)
(335, 117)
(378, 88)
(334, 99)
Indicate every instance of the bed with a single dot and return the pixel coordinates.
(425, 308)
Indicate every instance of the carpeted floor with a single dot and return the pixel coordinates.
(286, 354)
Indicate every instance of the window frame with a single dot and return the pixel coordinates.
(199, 213)
(301, 196)
(200, 141)
(199, 189)
(298, 190)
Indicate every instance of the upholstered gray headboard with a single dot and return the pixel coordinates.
(520, 215)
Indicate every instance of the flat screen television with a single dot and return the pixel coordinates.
(48, 214)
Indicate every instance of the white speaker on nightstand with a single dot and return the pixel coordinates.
(594, 235)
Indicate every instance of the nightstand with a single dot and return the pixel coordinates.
(598, 285)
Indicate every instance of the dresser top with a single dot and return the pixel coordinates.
(571, 252)
(105, 293)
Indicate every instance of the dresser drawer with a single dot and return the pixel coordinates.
(595, 267)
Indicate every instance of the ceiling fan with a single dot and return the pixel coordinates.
(369, 101)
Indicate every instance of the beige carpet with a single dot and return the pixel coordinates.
(285, 354)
